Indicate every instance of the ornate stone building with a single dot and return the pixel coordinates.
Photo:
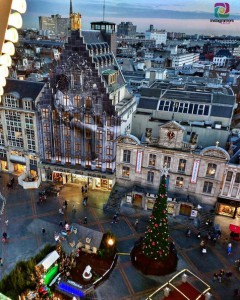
(84, 109)
(192, 172)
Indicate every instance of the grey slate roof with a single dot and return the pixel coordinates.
(221, 111)
(92, 36)
(149, 103)
(26, 89)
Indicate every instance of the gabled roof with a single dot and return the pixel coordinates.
(215, 152)
(173, 125)
(25, 89)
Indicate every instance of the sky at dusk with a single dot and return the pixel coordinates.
(189, 16)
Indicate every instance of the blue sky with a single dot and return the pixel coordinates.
(190, 16)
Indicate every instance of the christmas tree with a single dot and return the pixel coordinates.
(156, 240)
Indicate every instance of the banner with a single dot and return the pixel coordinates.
(139, 162)
(195, 169)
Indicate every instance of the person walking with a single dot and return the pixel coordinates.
(136, 224)
(229, 248)
(85, 220)
(43, 230)
(1, 262)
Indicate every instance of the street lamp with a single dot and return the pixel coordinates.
(110, 242)
(11, 20)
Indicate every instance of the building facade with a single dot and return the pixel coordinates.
(202, 107)
(192, 172)
(19, 146)
(160, 36)
(83, 111)
(55, 24)
(126, 29)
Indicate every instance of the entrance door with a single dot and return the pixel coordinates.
(185, 210)
(137, 200)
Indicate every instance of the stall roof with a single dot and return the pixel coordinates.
(49, 260)
(234, 228)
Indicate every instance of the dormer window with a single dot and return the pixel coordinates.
(28, 105)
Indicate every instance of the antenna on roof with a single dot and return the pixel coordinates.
(71, 10)
(103, 9)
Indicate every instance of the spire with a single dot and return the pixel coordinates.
(71, 10)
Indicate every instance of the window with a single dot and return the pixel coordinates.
(98, 164)
(88, 134)
(167, 161)
(207, 187)
(152, 160)
(182, 165)
(77, 160)
(11, 101)
(88, 103)
(77, 101)
(99, 135)
(179, 182)
(87, 119)
(237, 178)
(99, 149)
(211, 170)
(126, 156)
(48, 155)
(108, 165)
(150, 176)
(109, 150)
(229, 176)
(125, 171)
(88, 162)
(27, 105)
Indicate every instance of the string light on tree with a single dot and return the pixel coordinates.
(156, 239)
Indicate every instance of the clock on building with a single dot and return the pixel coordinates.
(170, 135)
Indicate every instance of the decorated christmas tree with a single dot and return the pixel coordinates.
(156, 240)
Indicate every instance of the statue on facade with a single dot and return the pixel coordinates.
(193, 138)
(148, 135)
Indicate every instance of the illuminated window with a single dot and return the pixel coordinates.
(179, 182)
(88, 119)
(167, 161)
(99, 135)
(182, 165)
(211, 170)
(152, 160)
(125, 171)
(77, 101)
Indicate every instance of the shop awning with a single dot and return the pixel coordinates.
(234, 228)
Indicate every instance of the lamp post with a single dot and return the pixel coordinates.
(11, 20)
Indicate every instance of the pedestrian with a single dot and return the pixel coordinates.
(136, 224)
(65, 203)
(215, 276)
(6, 222)
(85, 220)
(115, 219)
(229, 248)
(1, 262)
(73, 208)
(43, 230)
(61, 223)
(188, 232)
(61, 211)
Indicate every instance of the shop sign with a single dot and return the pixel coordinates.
(139, 162)
(194, 213)
(195, 170)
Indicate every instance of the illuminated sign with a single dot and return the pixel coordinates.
(195, 171)
(63, 286)
(139, 162)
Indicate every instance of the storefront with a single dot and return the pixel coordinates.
(185, 209)
(95, 180)
(228, 208)
(4, 164)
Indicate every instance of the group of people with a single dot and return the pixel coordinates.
(85, 194)
(219, 276)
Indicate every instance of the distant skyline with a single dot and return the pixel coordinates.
(189, 16)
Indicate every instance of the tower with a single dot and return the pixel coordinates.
(75, 19)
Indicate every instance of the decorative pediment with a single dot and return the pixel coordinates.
(215, 152)
(173, 125)
(128, 139)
